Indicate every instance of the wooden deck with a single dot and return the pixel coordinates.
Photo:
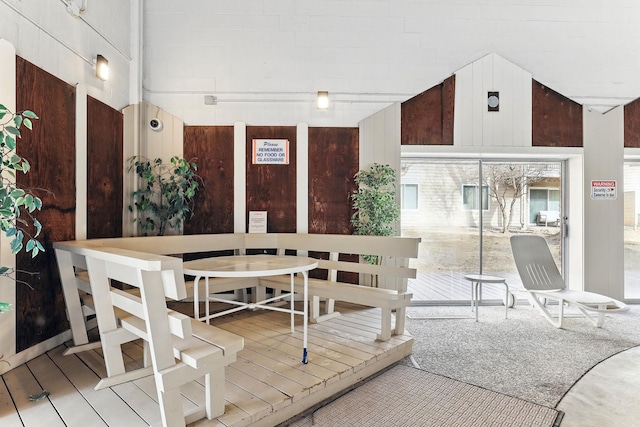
(452, 287)
(266, 386)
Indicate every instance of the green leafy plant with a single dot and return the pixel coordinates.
(16, 204)
(374, 203)
(166, 193)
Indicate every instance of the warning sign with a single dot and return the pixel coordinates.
(604, 189)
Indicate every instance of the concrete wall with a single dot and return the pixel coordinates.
(265, 60)
(45, 34)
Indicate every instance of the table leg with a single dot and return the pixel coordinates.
(206, 299)
(506, 299)
(196, 301)
(292, 305)
(477, 299)
(305, 316)
(473, 298)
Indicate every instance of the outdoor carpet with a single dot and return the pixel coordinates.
(406, 396)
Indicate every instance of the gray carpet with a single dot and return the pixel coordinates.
(405, 396)
(522, 356)
(522, 363)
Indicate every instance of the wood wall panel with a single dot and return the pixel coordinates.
(272, 188)
(556, 120)
(212, 149)
(333, 161)
(427, 118)
(50, 148)
(104, 170)
(632, 124)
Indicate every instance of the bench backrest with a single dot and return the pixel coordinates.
(391, 273)
(157, 277)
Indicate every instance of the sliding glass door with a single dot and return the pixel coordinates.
(632, 230)
(465, 211)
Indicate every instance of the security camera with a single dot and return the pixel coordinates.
(155, 124)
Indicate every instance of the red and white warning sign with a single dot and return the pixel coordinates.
(604, 189)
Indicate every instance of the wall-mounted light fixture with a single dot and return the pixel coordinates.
(323, 99)
(493, 101)
(101, 66)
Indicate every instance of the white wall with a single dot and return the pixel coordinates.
(46, 35)
(603, 219)
(379, 142)
(7, 285)
(474, 124)
(265, 60)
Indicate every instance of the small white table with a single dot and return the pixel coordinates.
(252, 266)
(476, 288)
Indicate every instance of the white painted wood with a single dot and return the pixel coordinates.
(379, 141)
(7, 259)
(72, 408)
(391, 295)
(239, 177)
(8, 413)
(603, 241)
(165, 142)
(157, 277)
(113, 410)
(302, 178)
(32, 412)
(132, 128)
(474, 125)
(462, 129)
(81, 162)
(70, 294)
(345, 350)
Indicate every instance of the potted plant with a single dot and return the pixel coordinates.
(166, 193)
(374, 203)
(16, 204)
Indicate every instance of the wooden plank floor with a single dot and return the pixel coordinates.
(267, 384)
(452, 286)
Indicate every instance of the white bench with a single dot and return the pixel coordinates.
(181, 348)
(392, 273)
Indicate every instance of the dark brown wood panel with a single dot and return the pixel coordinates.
(104, 170)
(50, 148)
(556, 120)
(632, 124)
(427, 118)
(272, 188)
(333, 161)
(212, 149)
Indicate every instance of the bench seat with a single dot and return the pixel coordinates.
(386, 299)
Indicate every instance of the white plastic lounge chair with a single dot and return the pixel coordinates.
(542, 281)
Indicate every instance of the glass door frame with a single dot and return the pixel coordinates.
(481, 160)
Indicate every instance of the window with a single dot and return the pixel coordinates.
(409, 196)
(470, 197)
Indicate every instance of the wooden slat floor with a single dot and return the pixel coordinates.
(267, 384)
(452, 286)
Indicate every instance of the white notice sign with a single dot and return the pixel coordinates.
(270, 152)
(604, 189)
(257, 221)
